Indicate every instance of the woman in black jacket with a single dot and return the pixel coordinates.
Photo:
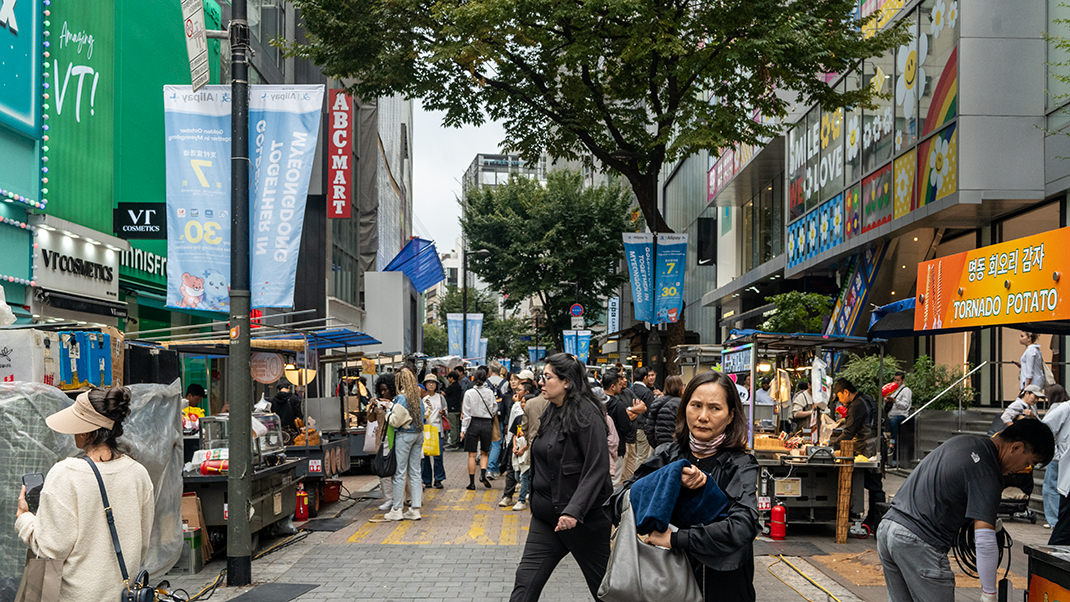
(711, 434)
(569, 483)
(661, 415)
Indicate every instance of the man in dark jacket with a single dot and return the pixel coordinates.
(454, 397)
(287, 406)
(643, 387)
(859, 426)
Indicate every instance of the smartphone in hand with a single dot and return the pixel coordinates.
(33, 482)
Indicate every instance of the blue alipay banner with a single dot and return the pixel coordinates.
(197, 156)
(583, 345)
(639, 252)
(570, 341)
(475, 331)
(454, 324)
(506, 363)
(535, 354)
(284, 126)
(669, 278)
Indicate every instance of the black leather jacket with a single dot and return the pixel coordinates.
(664, 421)
(721, 545)
(570, 471)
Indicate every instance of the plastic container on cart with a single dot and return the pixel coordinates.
(215, 435)
(332, 490)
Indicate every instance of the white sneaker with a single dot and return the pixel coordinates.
(1047, 526)
(394, 514)
(520, 506)
(505, 502)
(387, 505)
(411, 514)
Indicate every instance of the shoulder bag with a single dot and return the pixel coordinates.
(640, 572)
(385, 462)
(137, 590)
(496, 427)
(41, 579)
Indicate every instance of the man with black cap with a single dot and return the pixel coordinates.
(195, 395)
(286, 405)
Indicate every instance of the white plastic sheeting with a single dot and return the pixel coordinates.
(153, 437)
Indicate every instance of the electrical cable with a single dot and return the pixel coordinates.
(966, 555)
(807, 577)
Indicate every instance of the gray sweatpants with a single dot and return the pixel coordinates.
(914, 571)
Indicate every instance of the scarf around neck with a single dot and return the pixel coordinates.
(705, 448)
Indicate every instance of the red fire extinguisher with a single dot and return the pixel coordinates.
(778, 522)
(301, 512)
(210, 467)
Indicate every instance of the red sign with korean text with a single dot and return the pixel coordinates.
(1015, 281)
(340, 155)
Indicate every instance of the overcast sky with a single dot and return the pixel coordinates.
(440, 157)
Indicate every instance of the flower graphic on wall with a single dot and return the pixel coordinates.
(826, 129)
(939, 163)
(952, 15)
(887, 123)
(909, 86)
(837, 219)
(791, 246)
(853, 138)
(902, 184)
(867, 136)
(898, 139)
(813, 233)
(938, 17)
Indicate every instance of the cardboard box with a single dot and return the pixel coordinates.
(193, 518)
(28, 355)
(191, 561)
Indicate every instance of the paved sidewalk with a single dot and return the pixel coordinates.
(466, 548)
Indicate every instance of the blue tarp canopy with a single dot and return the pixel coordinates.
(897, 320)
(330, 338)
(419, 261)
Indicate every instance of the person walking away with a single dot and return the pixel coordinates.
(454, 396)
(476, 426)
(283, 405)
(569, 484)
(711, 435)
(1031, 364)
(1058, 420)
(408, 444)
(665, 419)
(955, 486)
(379, 410)
(612, 385)
(644, 390)
(69, 524)
(652, 414)
(1025, 406)
(431, 468)
(902, 400)
(494, 383)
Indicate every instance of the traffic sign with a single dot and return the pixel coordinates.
(576, 310)
(196, 42)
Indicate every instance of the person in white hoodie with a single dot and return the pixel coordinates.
(1058, 420)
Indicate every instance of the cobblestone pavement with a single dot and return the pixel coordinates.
(467, 548)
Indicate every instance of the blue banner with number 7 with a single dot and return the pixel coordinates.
(197, 156)
(669, 277)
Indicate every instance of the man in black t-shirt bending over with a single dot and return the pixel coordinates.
(955, 485)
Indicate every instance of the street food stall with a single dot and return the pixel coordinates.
(1014, 284)
(813, 482)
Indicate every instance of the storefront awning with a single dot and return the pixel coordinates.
(419, 261)
(84, 304)
(897, 320)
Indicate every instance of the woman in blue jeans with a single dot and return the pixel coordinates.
(408, 448)
(1058, 420)
(434, 410)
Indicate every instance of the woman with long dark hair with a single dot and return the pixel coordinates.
(711, 434)
(569, 483)
(69, 523)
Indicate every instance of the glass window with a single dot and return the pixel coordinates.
(909, 80)
(796, 170)
(253, 13)
(707, 241)
(939, 92)
(832, 153)
(748, 236)
(877, 122)
(813, 159)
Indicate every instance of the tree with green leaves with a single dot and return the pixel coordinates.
(796, 311)
(632, 84)
(503, 334)
(435, 341)
(559, 243)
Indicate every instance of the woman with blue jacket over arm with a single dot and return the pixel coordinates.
(711, 436)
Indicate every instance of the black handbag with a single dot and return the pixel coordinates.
(385, 462)
(137, 590)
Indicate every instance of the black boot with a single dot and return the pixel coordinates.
(471, 481)
(483, 478)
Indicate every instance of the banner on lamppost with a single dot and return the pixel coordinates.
(454, 329)
(285, 127)
(639, 252)
(669, 277)
(475, 332)
(506, 363)
(570, 341)
(583, 345)
(535, 354)
(284, 123)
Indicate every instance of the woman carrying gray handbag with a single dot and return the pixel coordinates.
(711, 461)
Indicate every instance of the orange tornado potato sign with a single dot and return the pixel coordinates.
(1015, 281)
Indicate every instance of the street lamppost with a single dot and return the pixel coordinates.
(464, 296)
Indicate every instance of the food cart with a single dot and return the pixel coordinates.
(816, 484)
